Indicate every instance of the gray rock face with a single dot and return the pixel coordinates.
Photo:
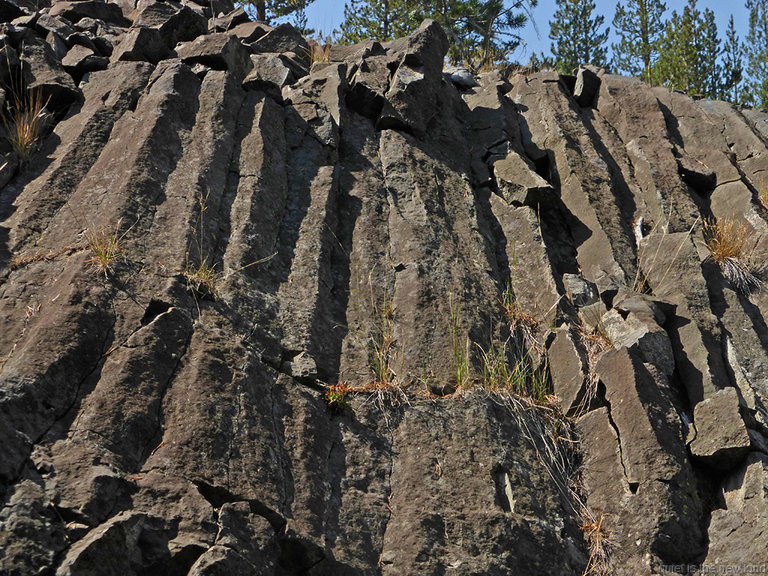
(738, 527)
(218, 51)
(643, 336)
(284, 38)
(258, 317)
(142, 44)
(721, 438)
(568, 367)
(639, 448)
(587, 87)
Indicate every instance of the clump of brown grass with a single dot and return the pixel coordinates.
(319, 52)
(596, 342)
(724, 238)
(383, 394)
(104, 245)
(24, 121)
(203, 279)
(380, 337)
(525, 327)
(598, 541)
(727, 244)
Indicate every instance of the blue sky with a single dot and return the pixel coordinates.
(325, 15)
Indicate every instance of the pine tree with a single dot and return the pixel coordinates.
(638, 24)
(266, 10)
(576, 35)
(688, 53)
(483, 33)
(756, 48)
(301, 23)
(380, 20)
(709, 56)
(733, 66)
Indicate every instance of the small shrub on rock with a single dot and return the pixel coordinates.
(336, 396)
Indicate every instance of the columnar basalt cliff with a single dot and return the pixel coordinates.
(254, 295)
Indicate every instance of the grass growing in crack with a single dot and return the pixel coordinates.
(24, 121)
(459, 345)
(381, 339)
(725, 239)
(526, 327)
(517, 377)
(203, 279)
(550, 434)
(727, 245)
(21, 260)
(596, 342)
(511, 365)
(497, 375)
(598, 541)
(385, 387)
(105, 247)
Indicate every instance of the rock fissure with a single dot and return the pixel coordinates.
(619, 445)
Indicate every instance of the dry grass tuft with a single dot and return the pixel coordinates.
(203, 279)
(725, 239)
(381, 339)
(596, 342)
(319, 52)
(385, 394)
(526, 327)
(727, 244)
(517, 375)
(24, 121)
(104, 244)
(21, 260)
(598, 541)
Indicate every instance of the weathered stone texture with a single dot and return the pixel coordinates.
(373, 221)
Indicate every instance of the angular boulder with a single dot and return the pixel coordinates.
(568, 369)
(75, 11)
(642, 336)
(737, 528)
(219, 51)
(141, 44)
(80, 60)
(721, 438)
(586, 88)
(43, 71)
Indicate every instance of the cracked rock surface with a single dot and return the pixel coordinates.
(279, 226)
